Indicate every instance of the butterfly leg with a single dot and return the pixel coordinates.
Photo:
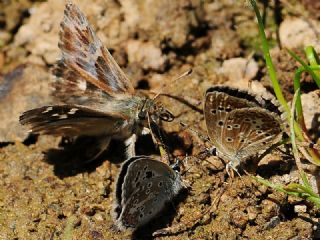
(102, 145)
(231, 168)
(130, 144)
(79, 150)
(89, 147)
(145, 131)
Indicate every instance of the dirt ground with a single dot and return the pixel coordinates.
(46, 193)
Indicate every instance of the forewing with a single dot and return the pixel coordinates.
(71, 120)
(87, 68)
(249, 131)
(216, 108)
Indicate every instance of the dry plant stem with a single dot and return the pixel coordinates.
(309, 145)
(182, 227)
(244, 72)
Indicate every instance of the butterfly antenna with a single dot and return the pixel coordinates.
(212, 151)
(187, 73)
(190, 102)
(201, 136)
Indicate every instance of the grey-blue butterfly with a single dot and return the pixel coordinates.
(143, 188)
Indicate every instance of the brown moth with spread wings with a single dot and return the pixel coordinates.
(99, 100)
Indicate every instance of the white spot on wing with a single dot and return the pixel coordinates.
(55, 115)
(48, 109)
(82, 85)
(145, 131)
(73, 111)
(64, 116)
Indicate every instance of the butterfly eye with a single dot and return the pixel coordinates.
(213, 151)
(166, 116)
(142, 115)
(176, 166)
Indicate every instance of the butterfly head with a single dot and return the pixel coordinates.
(155, 111)
(176, 166)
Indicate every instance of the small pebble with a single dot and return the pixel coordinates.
(300, 208)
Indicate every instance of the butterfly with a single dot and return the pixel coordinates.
(99, 101)
(143, 188)
(241, 124)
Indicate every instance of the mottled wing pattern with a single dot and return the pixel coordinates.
(87, 70)
(216, 108)
(71, 120)
(151, 200)
(144, 186)
(249, 130)
(141, 171)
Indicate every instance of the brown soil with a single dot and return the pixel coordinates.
(53, 196)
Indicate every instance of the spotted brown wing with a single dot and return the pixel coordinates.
(218, 104)
(248, 131)
(71, 120)
(87, 73)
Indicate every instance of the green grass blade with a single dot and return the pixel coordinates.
(296, 86)
(292, 131)
(313, 58)
(306, 66)
(269, 63)
(293, 189)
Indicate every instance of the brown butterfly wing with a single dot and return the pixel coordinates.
(216, 109)
(249, 131)
(88, 70)
(71, 120)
